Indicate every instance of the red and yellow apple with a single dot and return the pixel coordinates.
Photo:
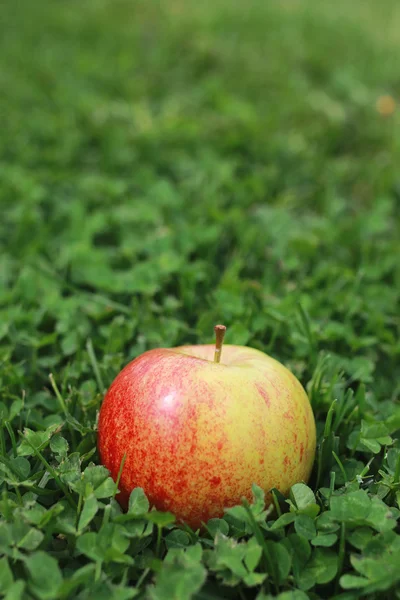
(196, 433)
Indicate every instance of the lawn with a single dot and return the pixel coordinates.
(165, 166)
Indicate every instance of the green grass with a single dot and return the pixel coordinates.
(165, 166)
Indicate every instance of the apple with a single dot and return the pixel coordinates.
(197, 430)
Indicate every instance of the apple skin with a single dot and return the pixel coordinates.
(198, 434)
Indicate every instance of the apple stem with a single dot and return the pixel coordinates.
(219, 340)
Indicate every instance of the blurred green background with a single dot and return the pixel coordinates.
(168, 165)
